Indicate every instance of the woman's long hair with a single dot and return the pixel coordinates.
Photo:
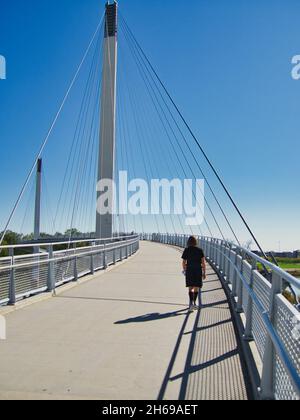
(192, 241)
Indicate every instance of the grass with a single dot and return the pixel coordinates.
(289, 266)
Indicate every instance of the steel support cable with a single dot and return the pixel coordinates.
(144, 160)
(165, 160)
(83, 165)
(142, 151)
(128, 143)
(138, 129)
(81, 135)
(120, 218)
(91, 135)
(122, 148)
(86, 203)
(92, 174)
(127, 159)
(120, 164)
(89, 151)
(152, 171)
(139, 143)
(88, 163)
(48, 201)
(27, 207)
(149, 87)
(78, 158)
(179, 160)
(178, 143)
(95, 177)
(48, 134)
(128, 146)
(118, 159)
(75, 140)
(200, 147)
(154, 161)
(121, 157)
(69, 176)
(197, 164)
(46, 209)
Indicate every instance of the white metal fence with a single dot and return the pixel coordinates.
(271, 321)
(26, 275)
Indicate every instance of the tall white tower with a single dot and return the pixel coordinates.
(106, 162)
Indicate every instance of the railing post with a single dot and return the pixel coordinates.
(114, 256)
(248, 336)
(51, 280)
(92, 259)
(234, 277)
(121, 253)
(223, 259)
(269, 359)
(212, 250)
(228, 263)
(104, 256)
(239, 307)
(216, 253)
(75, 268)
(12, 284)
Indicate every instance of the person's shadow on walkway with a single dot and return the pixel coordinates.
(152, 317)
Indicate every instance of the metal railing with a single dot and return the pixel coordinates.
(25, 275)
(271, 321)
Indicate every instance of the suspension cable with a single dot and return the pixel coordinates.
(198, 144)
(49, 132)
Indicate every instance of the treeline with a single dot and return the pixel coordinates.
(13, 238)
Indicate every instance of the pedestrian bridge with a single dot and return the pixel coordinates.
(94, 319)
(125, 333)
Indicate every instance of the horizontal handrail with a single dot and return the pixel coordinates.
(258, 297)
(24, 275)
(57, 243)
(65, 257)
(280, 348)
(284, 274)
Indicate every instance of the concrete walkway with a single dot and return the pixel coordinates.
(125, 335)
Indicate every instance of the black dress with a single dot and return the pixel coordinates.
(193, 255)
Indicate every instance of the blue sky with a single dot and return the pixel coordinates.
(227, 64)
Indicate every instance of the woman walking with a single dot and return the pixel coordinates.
(194, 266)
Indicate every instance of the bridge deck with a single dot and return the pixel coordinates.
(125, 335)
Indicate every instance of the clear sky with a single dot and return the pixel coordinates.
(227, 63)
